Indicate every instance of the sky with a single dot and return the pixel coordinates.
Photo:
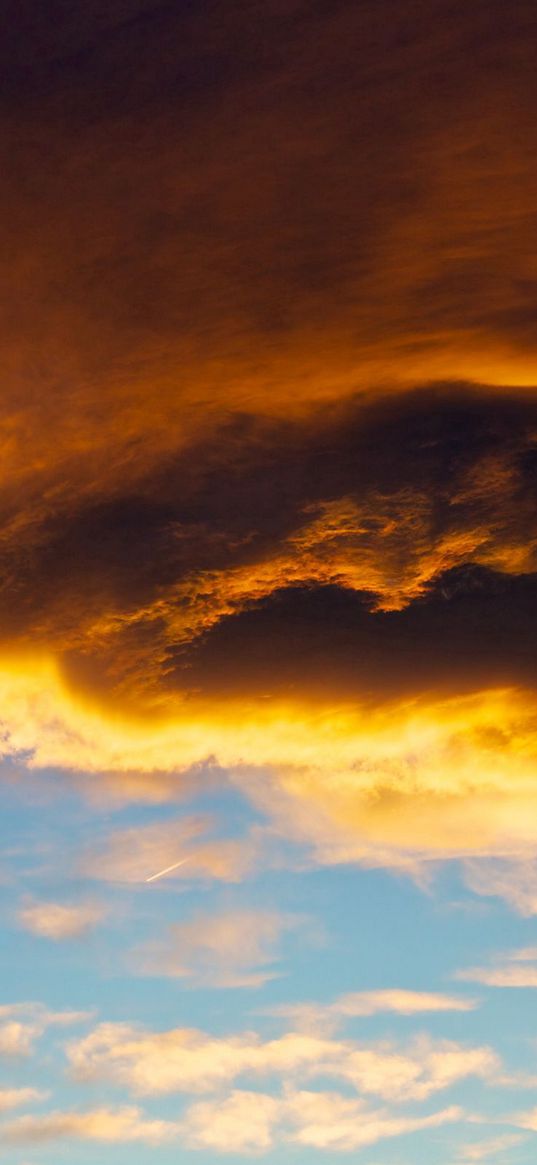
(268, 582)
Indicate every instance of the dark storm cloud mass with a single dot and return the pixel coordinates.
(218, 206)
(473, 630)
(237, 236)
(427, 496)
(267, 483)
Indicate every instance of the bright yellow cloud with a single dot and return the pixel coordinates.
(357, 781)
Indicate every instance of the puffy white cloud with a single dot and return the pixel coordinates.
(254, 1122)
(192, 1061)
(244, 1122)
(329, 1121)
(22, 1023)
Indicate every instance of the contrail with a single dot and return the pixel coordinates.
(168, 870)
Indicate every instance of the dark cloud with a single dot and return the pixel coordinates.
(235, 234)
(421, 506)
(473, 630)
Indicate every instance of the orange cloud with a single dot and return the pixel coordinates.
(338, 500)
(292, 359)
(291, 239)
(254, 363)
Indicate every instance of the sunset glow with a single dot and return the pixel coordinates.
(268, 582)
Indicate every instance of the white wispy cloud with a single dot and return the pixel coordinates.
(525, 1120)
(237, 948)
(516, 968)
(17, 1097)
(105, 1125)
(514, 881)
(357, 1004)
(135, 854)
(60, 921)
(489, 1149)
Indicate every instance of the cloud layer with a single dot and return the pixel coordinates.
(268, 542)
(270, 414)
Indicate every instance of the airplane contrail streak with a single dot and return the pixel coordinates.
(168, 870)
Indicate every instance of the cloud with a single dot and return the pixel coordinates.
(397, 282)
(517, 968)
(14, 1097)
(367, 1003)
(16, 1039)
(59, 921)
(244, 1122)
(491, 1148)
(329, 1121)
(223, 286)
(514, 881)
(250, 1122)
(312, 322)
(192, 1061)
(506, 976)
(227, 949)
(503, 976)
(268, 459)
(109, 1126)
(135, 854)
(526, 1120)
(21, 1024)
(376, 519)
(398, 1000)
(377, 782)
